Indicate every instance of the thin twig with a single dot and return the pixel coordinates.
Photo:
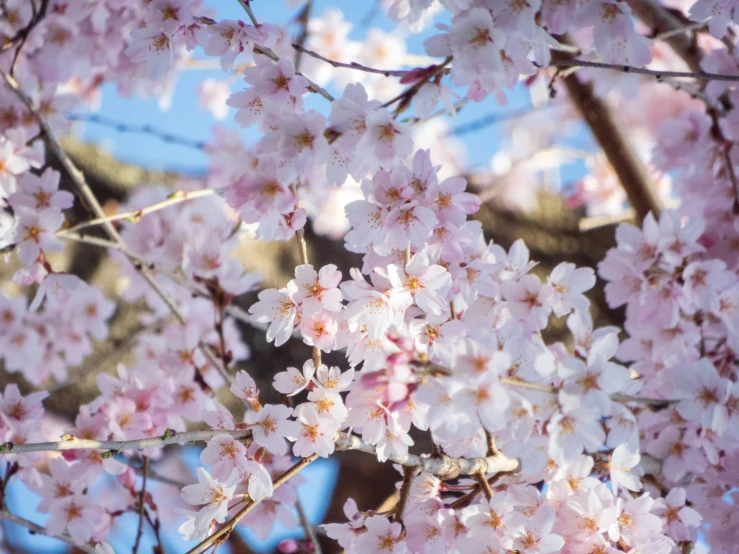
(444, 467)
(656, 73)
(135, 215)
(407, 95)
(352, 65)
(142, 506)
(303, 19)
(39, 530)
(154, 476)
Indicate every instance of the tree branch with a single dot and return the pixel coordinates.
(444, 467)
(74, 443)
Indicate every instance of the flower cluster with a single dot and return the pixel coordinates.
(616, 439)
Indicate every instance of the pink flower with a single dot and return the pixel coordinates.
(34, 233)
(382, 537)
(41, 192)
(421, 283)
(706, 394)
(280, 310)
(78, 514)
(573, 432)
(277, 82)
(568, 283)
(679, 519)
(257, 479)
(320, 330)
(124, 420)
(17, 409)
(270, 426)
(213, 495)
(528, 300)
(620, 464)
(152, 47)
(368, 307)
(407, 225)
(224, 454)
(292, 381)
(719, 13)
(227, 39)
(245, 388)
(318, 291)
(389, 140)
(634, 522)
(315, 433)
(534, 535)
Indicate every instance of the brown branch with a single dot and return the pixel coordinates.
(609, 134)
(482, 482)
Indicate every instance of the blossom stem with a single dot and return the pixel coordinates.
(39, 530)
(407, 95)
